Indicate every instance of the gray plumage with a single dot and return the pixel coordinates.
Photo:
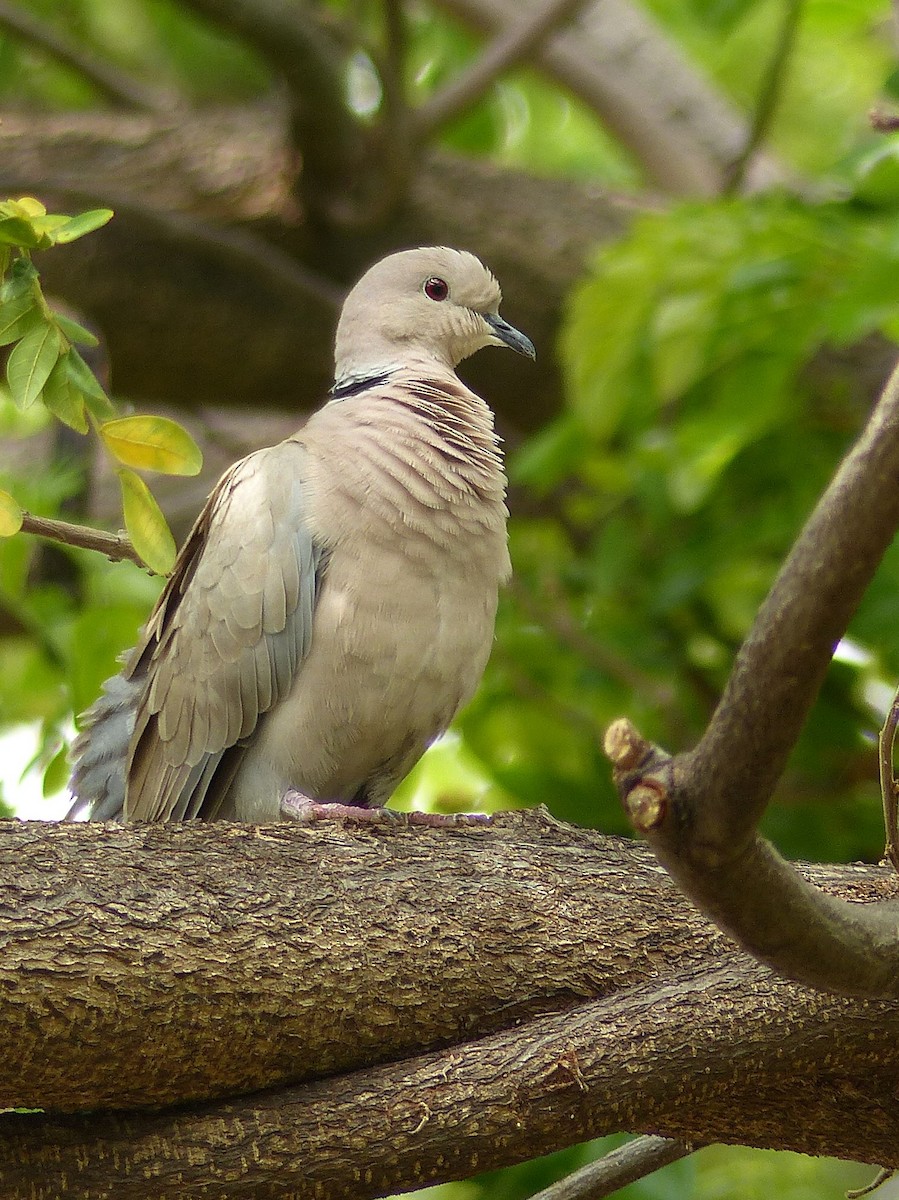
(333, 606)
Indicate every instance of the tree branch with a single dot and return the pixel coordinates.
(769, 96)
(115, 546)
(713, 1054)
(681, 130)
(508, 48)
(554, 987)
(112, 84)
(311, 63)
(700, 810)
(620, 1167)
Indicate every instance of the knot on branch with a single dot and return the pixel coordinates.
(640, 772)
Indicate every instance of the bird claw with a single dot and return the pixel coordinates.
(302, 810)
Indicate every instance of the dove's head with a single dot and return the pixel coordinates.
(419, 306)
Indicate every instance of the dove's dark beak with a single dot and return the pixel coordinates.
(509, 335)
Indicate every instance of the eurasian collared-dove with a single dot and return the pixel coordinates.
(334, 604)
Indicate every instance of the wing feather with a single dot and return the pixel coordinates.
(226, 638)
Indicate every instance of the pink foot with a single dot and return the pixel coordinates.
(300, 808)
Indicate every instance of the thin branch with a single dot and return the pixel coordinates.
(768, 99)
(700, 810)
(509, 47)
(878, 1181)
(620, 1167)
(889, 792)
(115, 546)
(116, 86)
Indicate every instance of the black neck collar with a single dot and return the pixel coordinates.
(353, 386)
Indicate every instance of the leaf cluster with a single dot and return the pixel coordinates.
(44, 365)
(697, 437)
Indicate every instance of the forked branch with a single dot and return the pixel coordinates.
(700, 810)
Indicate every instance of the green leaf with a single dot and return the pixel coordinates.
(83, 378)
(22, 280)
(152, 444)
(63, 399)
(75, 332)
(16, 231)
(30, 362)
(25, 206)
(10, 515)
(147, 527)
(77, 227)
(16, 317)
(57, 772)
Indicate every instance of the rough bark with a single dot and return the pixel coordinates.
(523, 987)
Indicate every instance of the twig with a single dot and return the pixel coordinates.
(700, 810)
(624, 1165)
(878, 1181)
(114, 545)
(115, 85)
(508, 48)
(888, 792)
(768, 98)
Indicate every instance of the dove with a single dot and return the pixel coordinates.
(333, 607)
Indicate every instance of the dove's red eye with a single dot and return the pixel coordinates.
(436, 289)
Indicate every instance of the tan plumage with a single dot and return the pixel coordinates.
(333, 606)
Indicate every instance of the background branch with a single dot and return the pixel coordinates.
(620, 1167)
(312, 65)
(507, 49)
(769, 96)
(112, 84)
(620, 64)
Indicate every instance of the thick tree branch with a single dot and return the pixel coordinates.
(712, 1054)
(573, 990)
(700, 809)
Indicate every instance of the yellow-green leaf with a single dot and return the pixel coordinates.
(27, 206)
(152, 444)
(83, 378)
(57, 773)
(16, 317)
(31, 361)
(63, 399)
(147, 527)
(77, 227)
(75, 332)
(10, 515)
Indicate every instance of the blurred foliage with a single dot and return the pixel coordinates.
(653, 515)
